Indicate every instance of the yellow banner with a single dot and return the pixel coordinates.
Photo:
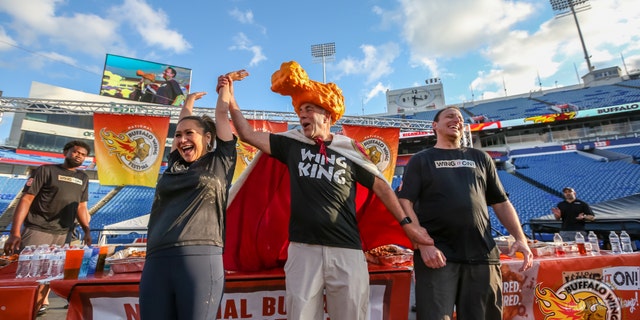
(381, 144)
(246, 152)
(129, 148)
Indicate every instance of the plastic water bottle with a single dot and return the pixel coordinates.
(45, 256)
(36, 262)
(93, 261)
(56, 262)
(24, 262)
(580, 243)
(558, 242)
(84, 268)
(3, 239)
(61, 256)
(615, 242)
(593, 239)
(625, 242)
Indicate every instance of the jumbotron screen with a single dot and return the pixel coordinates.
(144, 81)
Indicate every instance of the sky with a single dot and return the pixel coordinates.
(480, 49)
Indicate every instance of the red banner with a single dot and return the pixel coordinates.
(129, 148)
(381, 145)
(246, 152)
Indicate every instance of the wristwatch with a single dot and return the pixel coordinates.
(404, 221)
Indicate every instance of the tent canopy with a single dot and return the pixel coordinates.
(137, 225)
(617, 214)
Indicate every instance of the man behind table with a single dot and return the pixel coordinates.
(574, 213)
(55, 195)
(451, 186)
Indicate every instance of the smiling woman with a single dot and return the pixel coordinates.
(193, 137)
(186, 224)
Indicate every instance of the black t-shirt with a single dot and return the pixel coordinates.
(569, 212)
(58, 192)
(167, 92)
(189, 206)
(323, 209)
(451, 190)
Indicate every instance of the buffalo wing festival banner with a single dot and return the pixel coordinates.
(381, 145)
(247, 152)
(593, 286)
(129, 148)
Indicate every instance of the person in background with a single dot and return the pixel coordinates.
(183, 275)
(574, 213)
(169, 89)
(451, 186)
(54, 196)
(325, 251)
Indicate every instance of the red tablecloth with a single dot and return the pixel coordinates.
(606, 284)
(247, 295)
(19, 298)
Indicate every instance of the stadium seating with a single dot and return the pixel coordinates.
(528, 200)
(130, 202)
(586, 98)
(594, 181)
(97, 192)
(9, 188)
(517, 108)
(633, 151)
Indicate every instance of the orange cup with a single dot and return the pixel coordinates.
(72, 263)
(101, 259)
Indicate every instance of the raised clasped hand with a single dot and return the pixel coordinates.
(237, 75)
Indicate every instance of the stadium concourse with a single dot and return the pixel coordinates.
(586, 136)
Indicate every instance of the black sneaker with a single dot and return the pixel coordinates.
(43, 309)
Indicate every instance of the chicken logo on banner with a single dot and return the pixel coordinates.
(582, 299)
(246, 152)
(552, 117)
(378, 152)
(138, 148)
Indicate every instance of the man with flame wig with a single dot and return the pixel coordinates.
(330, 181)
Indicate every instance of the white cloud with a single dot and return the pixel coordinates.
(516, 59)
(245, 17)
(375, 64)
(520, 57)
(434, 29)
(6, 42)
(152, 25)
(378, 89)
(243, 43)
(37, 26)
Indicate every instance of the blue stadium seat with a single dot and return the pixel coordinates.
(10, 187)
(130, 202)
(594, 181)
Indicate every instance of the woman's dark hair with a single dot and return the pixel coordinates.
(206, 123)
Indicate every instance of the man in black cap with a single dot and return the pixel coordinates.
(573, 212)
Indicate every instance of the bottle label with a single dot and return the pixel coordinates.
(25, 257)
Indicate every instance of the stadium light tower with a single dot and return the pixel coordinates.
(323, 53)
(563, 8)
